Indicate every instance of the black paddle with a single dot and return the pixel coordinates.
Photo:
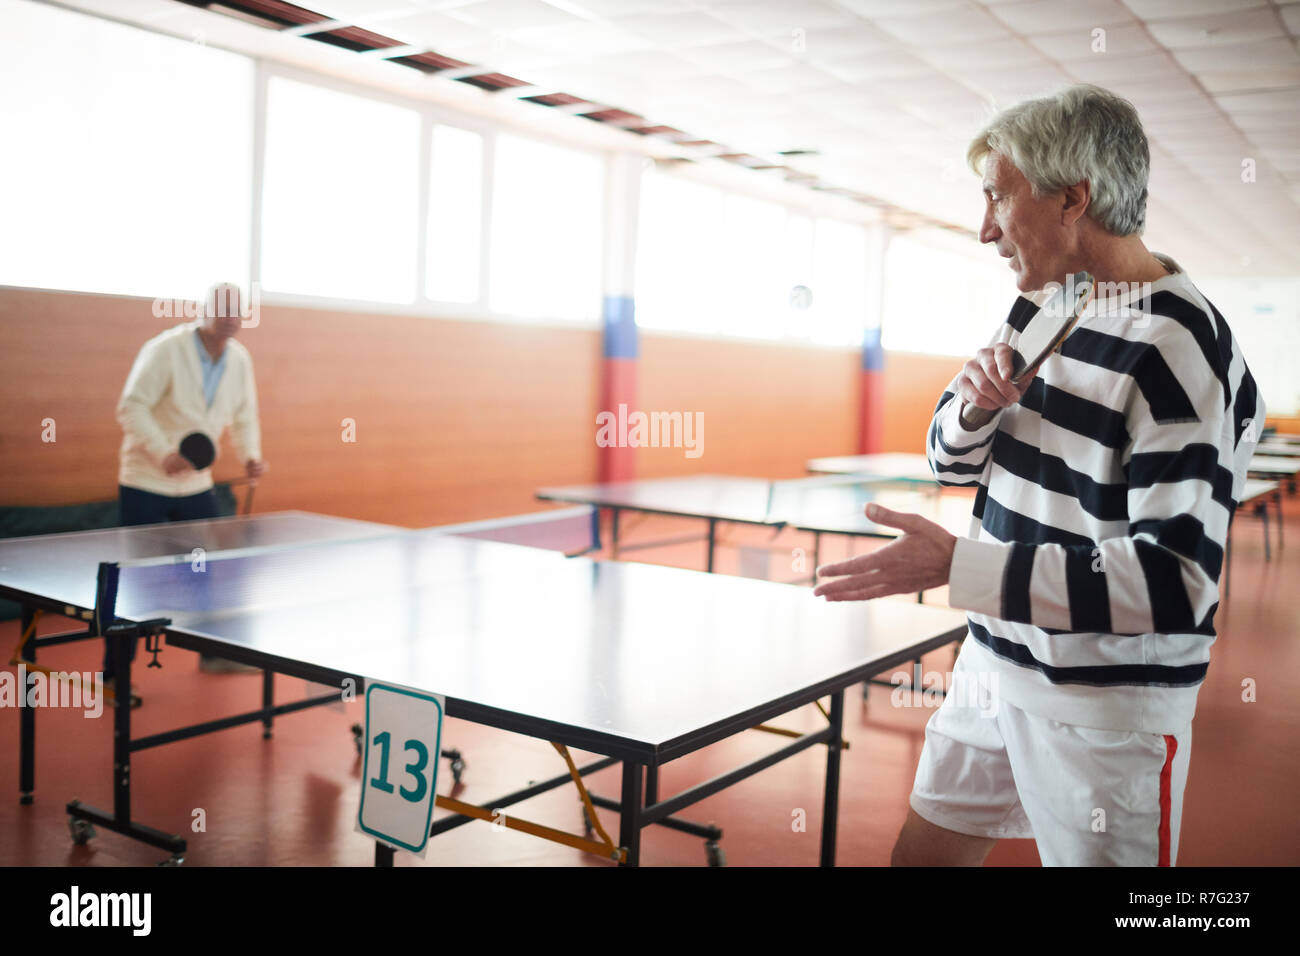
(198, 449)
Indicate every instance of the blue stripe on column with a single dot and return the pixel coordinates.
(873, 356)
(620, 327)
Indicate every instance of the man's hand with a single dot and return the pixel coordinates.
(174, 464)
(919, 559)
(985, 380)
(254, 469)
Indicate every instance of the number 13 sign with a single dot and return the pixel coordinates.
(400, 774)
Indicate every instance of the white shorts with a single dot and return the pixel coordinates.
(1086, 797)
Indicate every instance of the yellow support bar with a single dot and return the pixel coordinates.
(605, 847)
(16, 658)
(769, 729)
(582, 792)
(534, 829)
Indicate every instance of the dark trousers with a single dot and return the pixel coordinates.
(145, 507)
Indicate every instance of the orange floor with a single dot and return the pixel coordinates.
(292, 799)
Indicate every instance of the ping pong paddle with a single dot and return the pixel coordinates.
(198, 449)
(1042, 336)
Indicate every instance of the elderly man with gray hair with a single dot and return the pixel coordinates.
(192, 378)
(1106, 483)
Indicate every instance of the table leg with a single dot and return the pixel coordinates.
(713, 535)
(1263, 513)
(629, 830)
(268, 701)
(121, 651)
(27, 720)
(1227, 560)
(830, 807)
(613, 532)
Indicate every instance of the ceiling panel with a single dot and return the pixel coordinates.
(1193, 32)
(1248, 80)
(967, 23)
(890, 91)
(1079, 44)
(1049, 16)
(780, 18)
(508, 15)
(677, 31)
(1163, 9)
(1278, 53)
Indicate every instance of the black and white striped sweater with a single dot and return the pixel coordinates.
(1092, 567)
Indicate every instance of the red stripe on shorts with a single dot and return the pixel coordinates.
(1166, 774)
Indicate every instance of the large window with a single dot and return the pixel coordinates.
(943, 295)
(724, 264)
(677, 275)
(340, 196)
(127, 158)
(547, 248)
(455, 215)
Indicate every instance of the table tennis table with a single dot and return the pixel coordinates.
(1277, 449)
(831, 504)
(1256, 495)
(892, 466)
(638, 664)
(1273, 435)
(1275, 468)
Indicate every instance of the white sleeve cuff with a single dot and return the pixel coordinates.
(955, 435)
(975, 578)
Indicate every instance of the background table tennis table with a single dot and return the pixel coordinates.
(1256, 495)
(830, 504)
(1276, 449)
(640, 664)
(1275, 468)
(892, 466)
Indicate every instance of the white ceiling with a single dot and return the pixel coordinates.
(889, 92)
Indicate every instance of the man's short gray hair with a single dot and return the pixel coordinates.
(1082, 132)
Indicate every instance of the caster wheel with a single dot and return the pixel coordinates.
(714, 853)
(587, 828)
(82, 831)
(457, 769)
(176, 859)
(357, 733)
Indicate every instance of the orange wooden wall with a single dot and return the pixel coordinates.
(455, 420)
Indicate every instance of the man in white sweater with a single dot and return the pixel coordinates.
(192, 378)
(1106, 483)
